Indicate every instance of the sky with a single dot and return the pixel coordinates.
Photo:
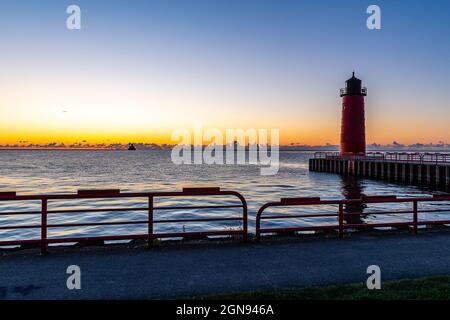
(138, 70)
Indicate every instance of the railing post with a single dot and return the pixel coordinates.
(258, 225)
(341, 221)
(150, 240)
(44, 244)
(245, 223)
(415, 220)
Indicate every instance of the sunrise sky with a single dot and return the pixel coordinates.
(137, 70)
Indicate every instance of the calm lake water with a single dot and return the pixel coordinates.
(31, 172)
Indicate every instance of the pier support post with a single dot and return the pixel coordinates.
(396, 171)
(411, 173)
(447, 176)
(438, 175)
(430, 175)
(351, 167)
(419, 173)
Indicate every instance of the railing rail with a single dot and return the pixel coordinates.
(340, 215)
(150, 235)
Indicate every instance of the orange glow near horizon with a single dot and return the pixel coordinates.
(288, 135)
(98, 129)
(104, 110)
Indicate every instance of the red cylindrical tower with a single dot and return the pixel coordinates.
(353, 130)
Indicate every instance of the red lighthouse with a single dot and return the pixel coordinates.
(353, 131)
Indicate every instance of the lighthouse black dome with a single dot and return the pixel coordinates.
(353, 86)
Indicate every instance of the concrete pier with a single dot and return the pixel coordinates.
(431, 170)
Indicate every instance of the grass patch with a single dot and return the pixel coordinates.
(431, 288)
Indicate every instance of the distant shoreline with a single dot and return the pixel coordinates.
(58, 149)
(286, 149)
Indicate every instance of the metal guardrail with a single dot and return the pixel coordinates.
(340, 225)
(340, 215)
(44, 212)
(409, 157)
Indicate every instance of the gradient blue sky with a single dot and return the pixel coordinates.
(139, 69)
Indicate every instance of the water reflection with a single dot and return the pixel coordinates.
(31, 172)
(352, 188)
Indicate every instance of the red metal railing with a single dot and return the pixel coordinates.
(44, 212)
(410, 157)
(341, 216)
(340, 224)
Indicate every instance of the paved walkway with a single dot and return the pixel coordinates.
(122, 273)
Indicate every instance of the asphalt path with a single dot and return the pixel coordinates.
(186, 271)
